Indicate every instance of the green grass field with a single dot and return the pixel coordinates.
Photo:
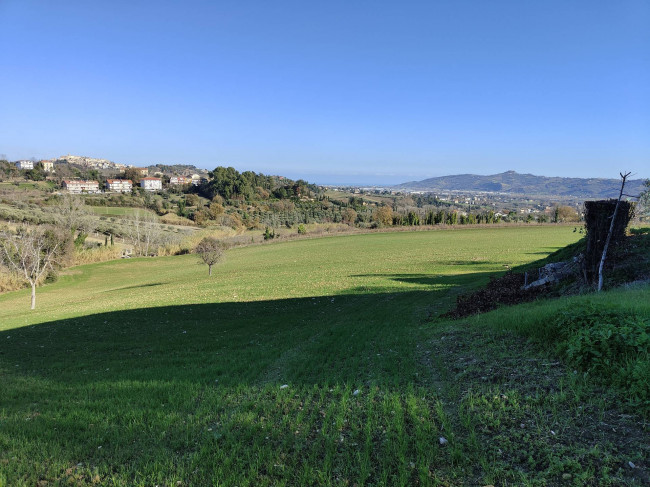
(43, 185)
(312, 362)
(116, 210)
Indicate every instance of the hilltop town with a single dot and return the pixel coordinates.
(464, 199)
(83, 174)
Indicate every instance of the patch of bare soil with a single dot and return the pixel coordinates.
(506, 290)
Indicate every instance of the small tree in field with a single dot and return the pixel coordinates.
(211, 250)
(31, 254)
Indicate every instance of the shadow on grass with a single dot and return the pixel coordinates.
(367, 335)
(151, 284)
(127, 390)
(435, 281)
(180, 391)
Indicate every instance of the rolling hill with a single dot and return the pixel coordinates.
(528, 184)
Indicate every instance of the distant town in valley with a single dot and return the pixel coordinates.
(508, 196)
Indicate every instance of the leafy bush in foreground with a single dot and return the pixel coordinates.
(612, 345)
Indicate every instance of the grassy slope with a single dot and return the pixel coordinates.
(148, 372)
(529, 318)
(356, 264)
(117, 210)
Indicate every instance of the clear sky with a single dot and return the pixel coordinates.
(331, 91)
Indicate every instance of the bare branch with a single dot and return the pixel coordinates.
(611, 231)
(73, 214)
(145, 233)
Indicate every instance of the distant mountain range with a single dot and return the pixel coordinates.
(512, 182)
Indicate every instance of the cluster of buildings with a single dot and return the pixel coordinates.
(123, 185)
(91, 162)
(112, 185)
(48, 166)
(152, 184)
(78, 186)
(181, 180)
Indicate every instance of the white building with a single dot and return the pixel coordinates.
(80, 186)
(179, 180)
(151, 184)
(24, 164)
(197, 180)
(48, 166)
(119, 185)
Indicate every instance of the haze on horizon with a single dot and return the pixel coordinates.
(363, 93)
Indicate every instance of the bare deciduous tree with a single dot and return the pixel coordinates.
(145, 233)
(73, 215)
(211, 250)
(30, 254)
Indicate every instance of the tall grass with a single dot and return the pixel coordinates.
(96, 254)
(188, 242)
(9, 281)
(174, 219)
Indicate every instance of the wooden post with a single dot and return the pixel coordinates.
(609, 234)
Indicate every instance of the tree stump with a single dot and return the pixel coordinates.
(598, 215)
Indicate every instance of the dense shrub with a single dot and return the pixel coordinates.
(611, 345)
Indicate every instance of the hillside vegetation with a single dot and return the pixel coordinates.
(313, 362)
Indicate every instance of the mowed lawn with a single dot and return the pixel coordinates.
(312, 362)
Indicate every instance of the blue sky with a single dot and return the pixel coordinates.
(349, 91)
